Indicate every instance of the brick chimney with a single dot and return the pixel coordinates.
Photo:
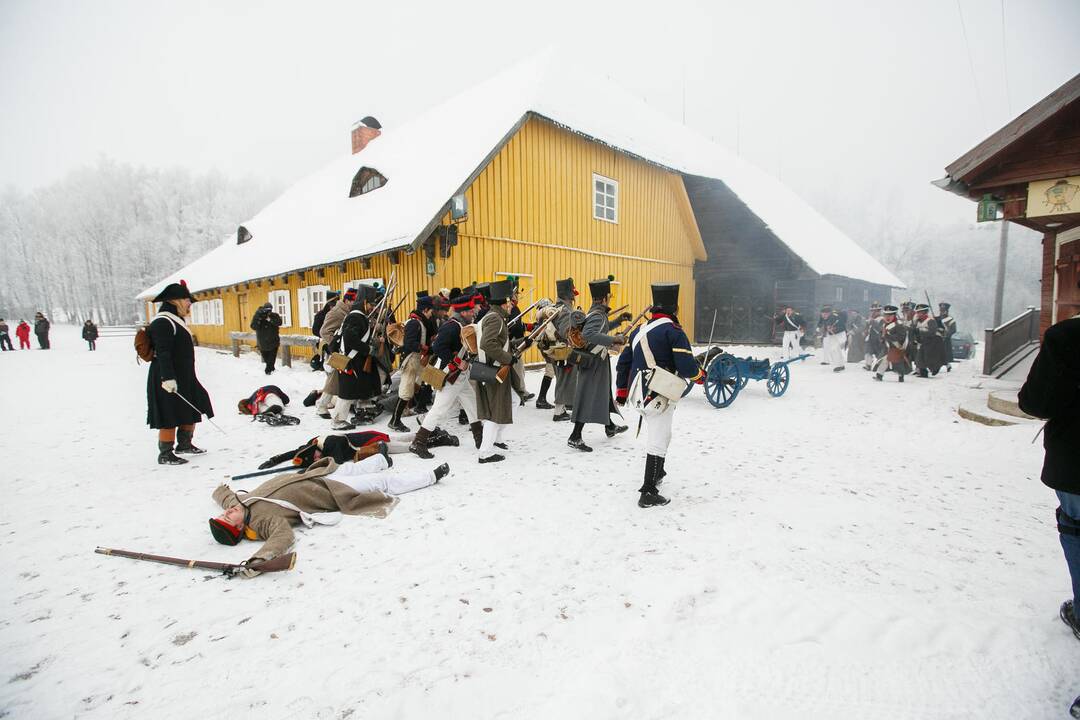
(363, 132)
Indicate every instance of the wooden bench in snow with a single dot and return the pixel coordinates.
(287, 342)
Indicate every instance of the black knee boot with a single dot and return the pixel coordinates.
(183, 443)
(649, 495)
(541, 400)
(166, 456)
(395, 423)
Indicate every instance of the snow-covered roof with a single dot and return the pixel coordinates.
(429, 159)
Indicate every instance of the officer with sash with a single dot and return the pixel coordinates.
(654, 370)
(592, 396)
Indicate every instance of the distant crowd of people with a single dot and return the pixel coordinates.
(901, 340)
(41, 332)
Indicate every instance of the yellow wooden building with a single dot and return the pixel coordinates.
(542, 201)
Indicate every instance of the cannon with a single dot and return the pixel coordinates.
(726, 375)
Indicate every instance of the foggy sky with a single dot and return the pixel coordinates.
(852, 103)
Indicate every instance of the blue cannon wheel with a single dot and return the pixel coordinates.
(779, 377)
(723, 381)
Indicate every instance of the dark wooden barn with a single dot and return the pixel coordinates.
(750, 272)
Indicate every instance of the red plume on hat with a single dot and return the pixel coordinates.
(184, 283)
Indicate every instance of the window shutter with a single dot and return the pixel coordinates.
(303, 301)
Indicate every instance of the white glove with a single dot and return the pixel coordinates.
(168, 386)
(248, 572)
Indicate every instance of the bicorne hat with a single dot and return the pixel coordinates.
(174, 291)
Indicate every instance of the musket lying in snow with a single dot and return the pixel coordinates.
(278, 564)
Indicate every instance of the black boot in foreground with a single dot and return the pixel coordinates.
(649, 495)
(395, 423)
(166, 456)
(541, 400)
(419, 446)
(183, 443)
(1068, 616)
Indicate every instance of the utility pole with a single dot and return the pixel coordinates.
(999, 291)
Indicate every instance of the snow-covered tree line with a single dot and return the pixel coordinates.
(85, 245)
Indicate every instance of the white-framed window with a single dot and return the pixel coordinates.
(218, 307)
(281, 302)
(311, 300)
(605, 193)
(839, 293)
(866, 295)
(208, 312)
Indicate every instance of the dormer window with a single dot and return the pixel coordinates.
(242, 235)
(365, 181)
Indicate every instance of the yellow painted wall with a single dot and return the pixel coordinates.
(530, 213)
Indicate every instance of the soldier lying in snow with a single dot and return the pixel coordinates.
(319, 495)
(354, 446)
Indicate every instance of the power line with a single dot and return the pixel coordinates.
(971, 65)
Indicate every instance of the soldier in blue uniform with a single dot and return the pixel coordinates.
(654, 370)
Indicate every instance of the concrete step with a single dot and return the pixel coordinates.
(1005, 402)
(985, 416)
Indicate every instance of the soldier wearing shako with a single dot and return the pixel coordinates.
(354, 341)
(948, 324)
(792, 326)
(544, 344)
(565, 373)
(930, 338)
(414, 353)
(592, 396)
(653, 371)
(895, 337)
(452, 356)
(874, 345)
(494, 401)
(517, 335)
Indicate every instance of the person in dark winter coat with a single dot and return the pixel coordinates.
(355, 383)
(593, 402)
(171, 379)
(41, 329)
(22, 331)
(5, 338)
(90, 334)
(354, 446)
(265, 323)
(1052, 392)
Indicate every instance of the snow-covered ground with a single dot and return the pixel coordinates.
(850, 550)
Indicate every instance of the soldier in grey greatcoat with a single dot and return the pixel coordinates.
(593, 402)
(494, 400)
(565, 373)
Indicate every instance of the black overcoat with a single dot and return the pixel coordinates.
(357, 384)
(174, 359)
